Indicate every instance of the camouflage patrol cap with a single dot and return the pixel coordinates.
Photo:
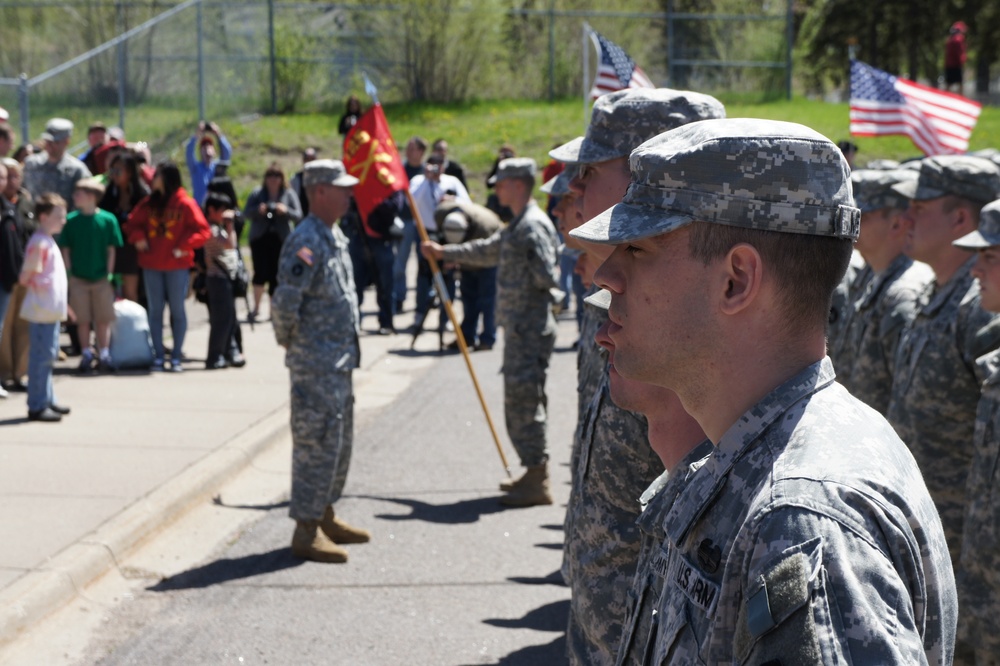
(622, 120)
(57, 129)
(883, 165)
(988, 233)
(559, 185)
(975, 178)
(514, 167)
(599, 299)
(873, 189)
(327, 172)
(745, 172)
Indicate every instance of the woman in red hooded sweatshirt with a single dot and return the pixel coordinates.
(166, 227)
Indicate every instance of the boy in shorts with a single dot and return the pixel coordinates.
(88, 246)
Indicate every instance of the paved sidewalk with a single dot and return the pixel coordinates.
(139, 449)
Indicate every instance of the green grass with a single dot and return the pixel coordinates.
(474, 130)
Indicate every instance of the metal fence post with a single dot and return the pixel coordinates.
(270, 41)
(22, 97)
(201, 66)
(552, 50)
(120, 21)
(789, 36)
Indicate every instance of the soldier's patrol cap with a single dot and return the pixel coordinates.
(327, 172)
(883, 165)
(988, 233)
(514, 167)
(57, 129)
(966, 176)
(622, 120)
(559, 185)
(873, 189)
(599, 299)
(757, 174)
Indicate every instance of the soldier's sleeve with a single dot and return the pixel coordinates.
(296, 267)
(541, 260)
(481, 253)
(823, 591)
(890, 328)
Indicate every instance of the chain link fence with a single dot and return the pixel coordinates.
(158, 66)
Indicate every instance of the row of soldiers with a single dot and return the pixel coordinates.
(782, 522)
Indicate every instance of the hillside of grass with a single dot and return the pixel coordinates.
(474, 131)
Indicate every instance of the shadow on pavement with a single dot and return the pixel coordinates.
(538, 655)
(225, 570)
(554, 578)
(17, 420)
(217, 500)
(457, 513)
(550, 617)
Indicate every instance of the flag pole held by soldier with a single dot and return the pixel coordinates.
(370, 155)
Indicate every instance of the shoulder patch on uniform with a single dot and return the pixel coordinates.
(306, 255)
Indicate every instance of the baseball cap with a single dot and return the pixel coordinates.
(988, 233)
(514, 167)
(559, 185)
(57, 129)
(622, 120)
(758, 174)
(327, 172)
(967, 176)
(95, 185)
(873, 189)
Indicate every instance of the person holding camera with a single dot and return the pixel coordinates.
(202, 166)
(272, 209)
(222, 262)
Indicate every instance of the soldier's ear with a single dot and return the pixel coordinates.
(741, 274)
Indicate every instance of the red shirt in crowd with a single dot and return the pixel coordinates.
(180, 225)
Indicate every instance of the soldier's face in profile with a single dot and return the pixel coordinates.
(600, 186)
(630, 394)
(987, 271)
(931, 232)
(660, 314)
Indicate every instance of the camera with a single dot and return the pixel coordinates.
(271, 210)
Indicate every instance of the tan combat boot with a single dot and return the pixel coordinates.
(341, 532)
(509, 484)
(310, 543)
(531, 489)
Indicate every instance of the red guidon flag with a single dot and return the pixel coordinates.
(370, 155)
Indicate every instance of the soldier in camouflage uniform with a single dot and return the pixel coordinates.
(525, 251)
(842, 310)
(979, 569)
(808, 536)
(315, 316)
(54, 169)
(612, 462)
(890, 300)
(936, 383)
(679, 442)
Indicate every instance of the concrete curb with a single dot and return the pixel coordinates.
(47, 589)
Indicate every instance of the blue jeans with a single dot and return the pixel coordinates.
(42, 354)
(4, 300)
(403, 251)
(479, 298)
(162, 288)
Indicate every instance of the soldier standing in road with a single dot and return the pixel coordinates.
(54, 169)
(612, 462)
(525, 251)
(935, 388)
(890, 300)
(315, 316)
(808, 535)
(978, 575)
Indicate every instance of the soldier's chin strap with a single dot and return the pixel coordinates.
(463, 347)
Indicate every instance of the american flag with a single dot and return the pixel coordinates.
(937, 122)
(615, 70)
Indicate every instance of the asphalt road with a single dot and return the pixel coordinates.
(450, 576)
